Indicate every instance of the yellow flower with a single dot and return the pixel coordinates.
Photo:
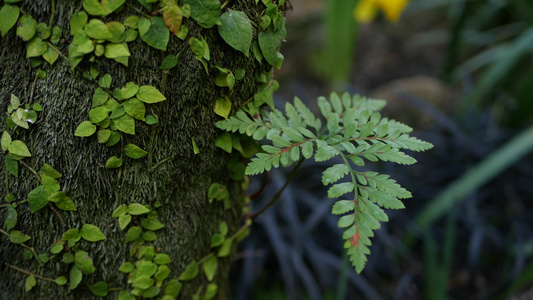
(366, 10)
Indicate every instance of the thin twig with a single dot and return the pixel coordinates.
(7, 181)
(58, 215)
(57, 50)
(25, 246)
(260, 191)
(241, 230)
(33, 87)
(52, 15)
(161, 162)
(164, 80)
(138, 10)
(31, 169)
(277, 195)
(268, 85)
(30, 273)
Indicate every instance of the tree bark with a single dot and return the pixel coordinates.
(180, 182)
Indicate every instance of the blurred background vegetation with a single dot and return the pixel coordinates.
(459, 72)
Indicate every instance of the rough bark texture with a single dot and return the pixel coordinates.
(180, 183)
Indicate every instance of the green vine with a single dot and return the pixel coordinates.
(354, 132)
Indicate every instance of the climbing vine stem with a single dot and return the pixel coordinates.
(30, 273)
(278, 194)
(25, 246)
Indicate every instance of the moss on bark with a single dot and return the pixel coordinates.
(180, 183)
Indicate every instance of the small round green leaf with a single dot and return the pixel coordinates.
(190, 272)
(11, 218)
(143, 282)
(124, 220)
(205, 12)
(86, 128)
(44, 258)
(210, 267)
(50, 184)
(122, 209)
(154, 32)
(67, 258)
(5, 141)
(47, 170)
(19, 149)
(18, 237)
(151, 224)
(128, 91)
(224, 142)
(105, 82)
(125, 124)
(30, 283)
(71, 235)
(133, 233)
(9, 15)
(57, 247)
(162, 273)
(99, 289)
(27, 27)
(61, 280)
(137, 209)
(75, 277)
(116, 50)
(169, 62)
(127, 267)
(134, 152)
(162, 259)
(84, 262)
(113, 162)
(12, 166)
(114, 138)
(135, 108)
(96, 29)
(173, 288)
(92, 233)
(225, 250)
(146, 268)
(149, 236)
(131, 22)
(98, 114)
(151, 120)
(236, 30)
(149, 94)
(77, 22)
(38, 198)
(223, 107)
(103, 135)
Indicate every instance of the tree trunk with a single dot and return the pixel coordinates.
(179, 181)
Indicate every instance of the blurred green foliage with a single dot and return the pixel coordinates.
(493, 42)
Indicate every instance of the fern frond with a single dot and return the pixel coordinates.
(355, 131)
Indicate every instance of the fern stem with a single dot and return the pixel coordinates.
(278, 194)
